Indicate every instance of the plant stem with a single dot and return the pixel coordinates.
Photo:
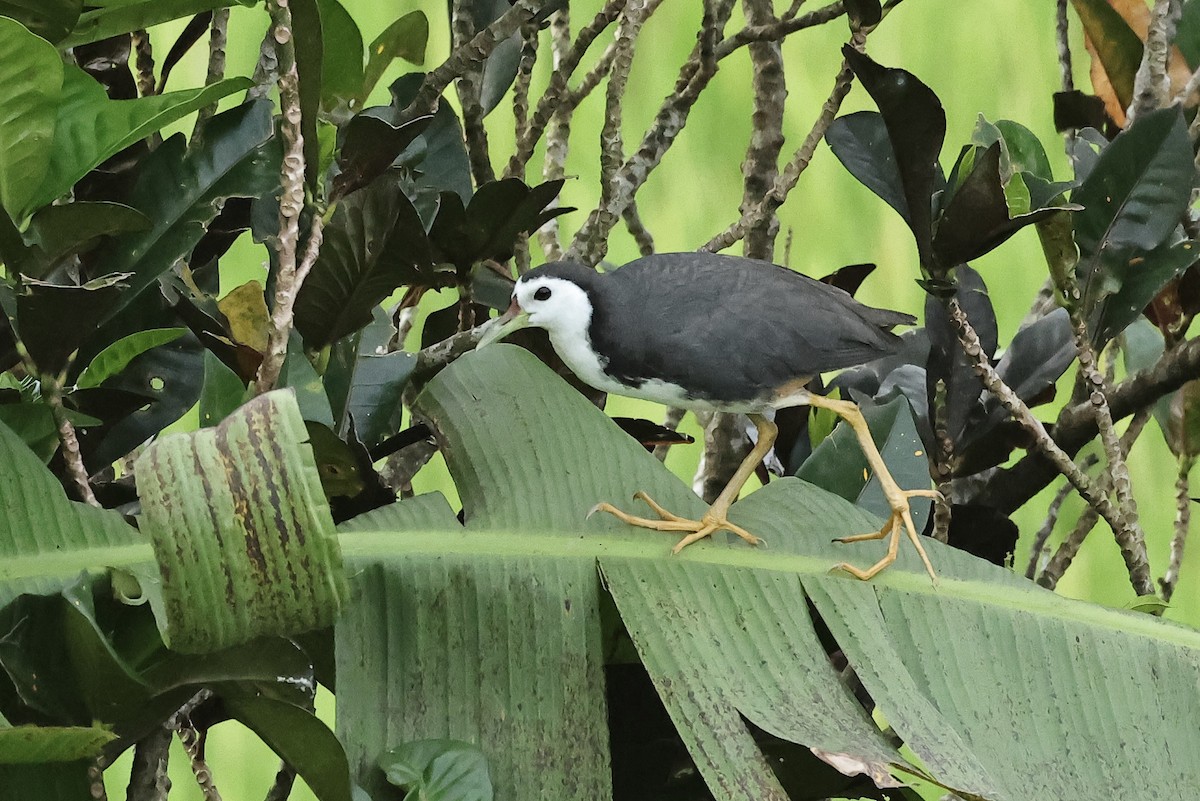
(218, 37)
(1183, 519)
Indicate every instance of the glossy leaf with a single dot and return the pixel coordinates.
(1131, 285)
(1035, 359)
(169, 377)
(374, 244)
(222, 392)
(34, 745)
(251, 481)
(863, 13)
(42, 307)
(34, 424)
(860, 142)
(370, 145)
(114, 19)
(1187, 37)
(489, 225)
(405, 38)
(59, 231)
(1133, 199)
(310, 50)
(117, 356)
(49, 19)
(31, 79)
(440, 154)
(916, 126)
(947, 362)
(299, 738)
(89, 127)
(182, 191)
(342, 65)
(195, 29)
(977, 218)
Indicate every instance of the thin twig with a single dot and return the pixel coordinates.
(591, 241)
(799, 163)
(612, 146)
(1009, 489)
(218, 37)
(554, 93)
(779, 29)
(143, 73)
(1183, 519)
(942, 463)
(193, 744)
(1037, 550)
(761, 165)
(468, 57)
(558, 134)
(266, 69)
(637, 229)
(1062, 38)
(291, 200)
(1135, 562)
(468, 85)
(529, 54)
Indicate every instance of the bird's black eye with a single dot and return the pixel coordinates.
(542, 293)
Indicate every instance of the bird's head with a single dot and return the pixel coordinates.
(545, 298)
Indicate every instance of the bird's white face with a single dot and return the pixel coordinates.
(555, 304)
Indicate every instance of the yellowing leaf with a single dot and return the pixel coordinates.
(246, 310)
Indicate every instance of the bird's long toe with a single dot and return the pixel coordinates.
(900, 521)
(695, 530)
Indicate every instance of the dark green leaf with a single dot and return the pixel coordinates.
(222, 392)
(1133, 199)
(1025, 150)
(299, 376)
(182, 191)
(301, 740)
(310, 49)
(947, 362)
(839, 466)
(916, 126)
(405, 38)
(45, 750)
(439, 770)
(1118, 48)
(977, 218)
(33, 659)
(114, 19)
(34, 424)
(90, 127)
(42, 308)
(49, 19)
(442, 161)
(117, 356)
(1133, 284)
(863, 13)
(31, 77)
(490, 288)
(374, 244)
(171, 376)
(71, 228)
(1035, 359)
(370, 146)
(499, 72)
(860, 142)
(1187, 36)
(489, 225)
(336, 463)
(342, 68)
(197, 26)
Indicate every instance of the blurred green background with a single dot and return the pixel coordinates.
(990, 57)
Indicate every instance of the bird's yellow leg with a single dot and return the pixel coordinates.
(898, 499)
(714, 519)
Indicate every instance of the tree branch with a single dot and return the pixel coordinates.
(467, 85)
(1183, 519)
(218, 37)
(1152, 85)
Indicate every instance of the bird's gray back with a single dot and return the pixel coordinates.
(730, 329)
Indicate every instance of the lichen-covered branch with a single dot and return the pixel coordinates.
(468, 57)
(1152, 85)
(564, 67)
(291, 199)
(591, 241)
(612, 145)
(637, 229)
(218, 38)
(52, 394)
(148, 779)
(1183, 520)
(1135, 560)
(799, 162)
(143, 52)
(779, 29)
(1009, 489)
(761, 165)
(529, 54)
(1037, 549)
(1069, 548)
(462, 26)
(558, 134)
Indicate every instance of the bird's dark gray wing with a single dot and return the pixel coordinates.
(731, 329)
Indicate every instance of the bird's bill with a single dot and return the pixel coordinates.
(512, 320)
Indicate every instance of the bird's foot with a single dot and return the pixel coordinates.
(714, 520)
(900, 521)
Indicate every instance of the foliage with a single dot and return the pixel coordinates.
(222, 567)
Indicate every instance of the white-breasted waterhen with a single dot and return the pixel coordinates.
(703, 331)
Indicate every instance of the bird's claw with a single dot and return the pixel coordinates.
(694, 530)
